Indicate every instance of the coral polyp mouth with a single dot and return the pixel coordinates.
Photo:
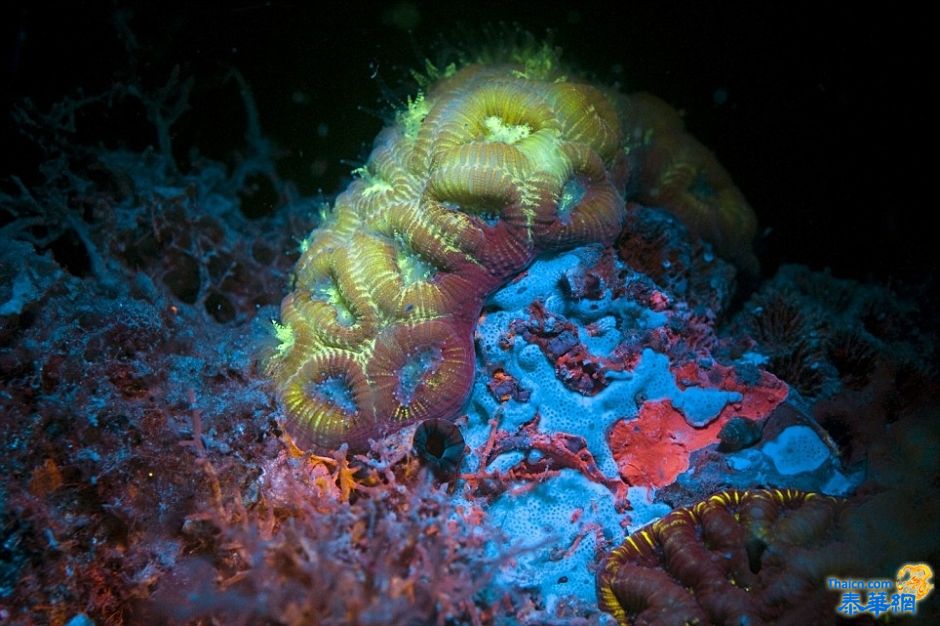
(572, 193)
(417, 370)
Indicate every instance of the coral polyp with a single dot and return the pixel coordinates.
(493, 166)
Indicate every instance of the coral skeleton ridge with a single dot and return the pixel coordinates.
(493, 166)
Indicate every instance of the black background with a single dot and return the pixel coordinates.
(827, 127)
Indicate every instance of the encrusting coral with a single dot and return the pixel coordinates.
(496, 164)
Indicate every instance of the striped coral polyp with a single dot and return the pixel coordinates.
(455, 199)
(705, 564)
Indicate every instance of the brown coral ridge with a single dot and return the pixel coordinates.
(678, 173)
(737, 557)
(497, 164)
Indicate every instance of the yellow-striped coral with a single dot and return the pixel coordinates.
(493, 165)
(706, 563)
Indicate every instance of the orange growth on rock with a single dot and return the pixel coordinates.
(654, 448)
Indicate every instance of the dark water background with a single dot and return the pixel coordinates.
(822, 115)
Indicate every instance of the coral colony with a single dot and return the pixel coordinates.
(509, 383)
(493, 167)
